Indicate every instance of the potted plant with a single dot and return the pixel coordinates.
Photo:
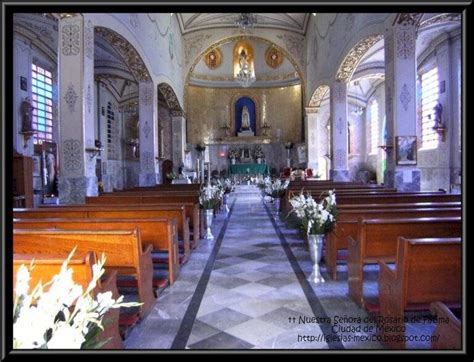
(276, 189)
(209, 197)
(316, 220)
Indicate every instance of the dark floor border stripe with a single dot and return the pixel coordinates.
(332, 339)
(181, 339)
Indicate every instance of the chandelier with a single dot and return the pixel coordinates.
(246, 20)
(245, 78)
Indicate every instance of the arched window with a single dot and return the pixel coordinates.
(112, 134)
(374, 126)
(429, 99)
(42, 102)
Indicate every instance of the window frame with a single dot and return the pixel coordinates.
(427, 108)
(43, 104)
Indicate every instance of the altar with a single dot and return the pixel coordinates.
(249, 169)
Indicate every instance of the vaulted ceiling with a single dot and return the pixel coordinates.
(296, 22)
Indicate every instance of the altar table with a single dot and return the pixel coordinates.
(249, 169)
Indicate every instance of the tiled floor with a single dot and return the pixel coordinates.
(247, 289)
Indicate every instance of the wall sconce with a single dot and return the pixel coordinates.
(94, 151)
(135, 144)
(358, 111)
(386, 148)
(441, 131)
(226, 129)
(266, 127)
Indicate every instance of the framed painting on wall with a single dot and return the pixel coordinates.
(406, 152)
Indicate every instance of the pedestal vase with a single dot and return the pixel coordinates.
(315, 242)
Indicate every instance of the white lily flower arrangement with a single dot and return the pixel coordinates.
(263, 183)
(315, 218)
(210, 196)
(276, 188)
(65, 316)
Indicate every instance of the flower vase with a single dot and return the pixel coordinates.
(315, 242)
(225, 198)
(232, 161)
(209, 217)
(259, 160)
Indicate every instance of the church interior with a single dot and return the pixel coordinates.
(268, 181)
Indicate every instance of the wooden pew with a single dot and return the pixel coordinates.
(116, 212)
(426, 270)
(448, 334)
(399, 198)
(191, 208)
(377, 240)
(347, 223)
(160, 233)
(401, 205)
(48, 265)
(123, 250)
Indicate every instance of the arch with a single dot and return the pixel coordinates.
(171, 99)
(354, 56)
(243, 38)
(127, 51)
(318, 96)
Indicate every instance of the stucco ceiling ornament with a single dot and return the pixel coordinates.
(72, 155)
(295, 45)
(89, 39)
(146, 94)
(171, 99)
(193, 45)
(339, 92)
(70, 39)
(441, 18)
(405, 44)
(146, 130)
(355, 55)
(213, 58)
(405, 97)
(273, 57)
(89, 99)
(127, 52)
(340, 125)
(407, 19)
(71, 97)
(318, 96)
(339, 158)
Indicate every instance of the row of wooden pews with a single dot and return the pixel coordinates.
(139, 231)
(415, 237)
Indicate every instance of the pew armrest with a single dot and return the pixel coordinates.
(387, 271)
(448, 334)
(442, 311)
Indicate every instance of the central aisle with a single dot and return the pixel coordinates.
(252, 291)
(247, 289)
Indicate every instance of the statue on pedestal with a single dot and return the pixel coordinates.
(27, 115)
(245, 125)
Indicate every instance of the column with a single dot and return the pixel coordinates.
(312, 139)
(178, 130)
(77, 178)
(147, 111)
(400, 100)
(339, 171)
(454, 130)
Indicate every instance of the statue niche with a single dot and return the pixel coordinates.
(245, 117)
